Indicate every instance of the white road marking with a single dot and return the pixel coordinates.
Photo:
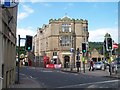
(31, 77)
(75, 74)
(89, 83)
(47, 71)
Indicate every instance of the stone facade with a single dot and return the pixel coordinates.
(8, 22)
(59, 36)
(96, 56)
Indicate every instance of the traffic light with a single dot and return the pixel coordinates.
(83, 47)
(109, 44)
(28, 44)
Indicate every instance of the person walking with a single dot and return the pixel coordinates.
(91, 65)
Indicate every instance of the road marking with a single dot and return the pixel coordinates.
(89, 83)
(47, 71)
(31, 77)
(75, 74)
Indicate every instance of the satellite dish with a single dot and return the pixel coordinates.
(9, 3)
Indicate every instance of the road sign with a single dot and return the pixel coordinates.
(9, 3)
(115, 45)
(72, 50)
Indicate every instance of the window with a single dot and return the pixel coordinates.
(66, 28)
(85, 29)
(65, 40)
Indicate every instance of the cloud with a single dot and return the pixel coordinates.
(23, 32)
(98, 35)
(22, 15)
(26, 12)
(28, 9)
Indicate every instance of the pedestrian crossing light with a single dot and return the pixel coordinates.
(83, 47)
(28, 44)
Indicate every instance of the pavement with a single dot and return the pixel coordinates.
(101, 73)
(28, 82)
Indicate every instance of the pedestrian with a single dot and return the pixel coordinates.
(91, 65)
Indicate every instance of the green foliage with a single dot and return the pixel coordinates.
(22, 50)
(99, 46)
(96, 45)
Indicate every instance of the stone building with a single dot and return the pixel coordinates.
(58, 37)
(96, 56)
(8, 22)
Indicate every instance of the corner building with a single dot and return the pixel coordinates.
(8, 25)
(58, 37)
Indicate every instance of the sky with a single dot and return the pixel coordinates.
(102, 16)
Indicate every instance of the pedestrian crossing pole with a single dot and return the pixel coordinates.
(83, 59)
(110, 68)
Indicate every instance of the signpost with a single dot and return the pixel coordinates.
(72, 51)
(77, 60)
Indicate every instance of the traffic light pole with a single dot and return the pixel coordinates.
(110, 62)
(83, 63)
(77, 60)
(18, 74)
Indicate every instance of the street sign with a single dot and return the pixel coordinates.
(72, 50)
(9, 3)
(115, 45)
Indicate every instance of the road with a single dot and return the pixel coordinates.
(57, 79)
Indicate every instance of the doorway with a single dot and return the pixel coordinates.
(66, 61)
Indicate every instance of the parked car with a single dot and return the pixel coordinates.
(98, 65)
(117, 65)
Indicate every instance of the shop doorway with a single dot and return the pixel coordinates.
(66, 61)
